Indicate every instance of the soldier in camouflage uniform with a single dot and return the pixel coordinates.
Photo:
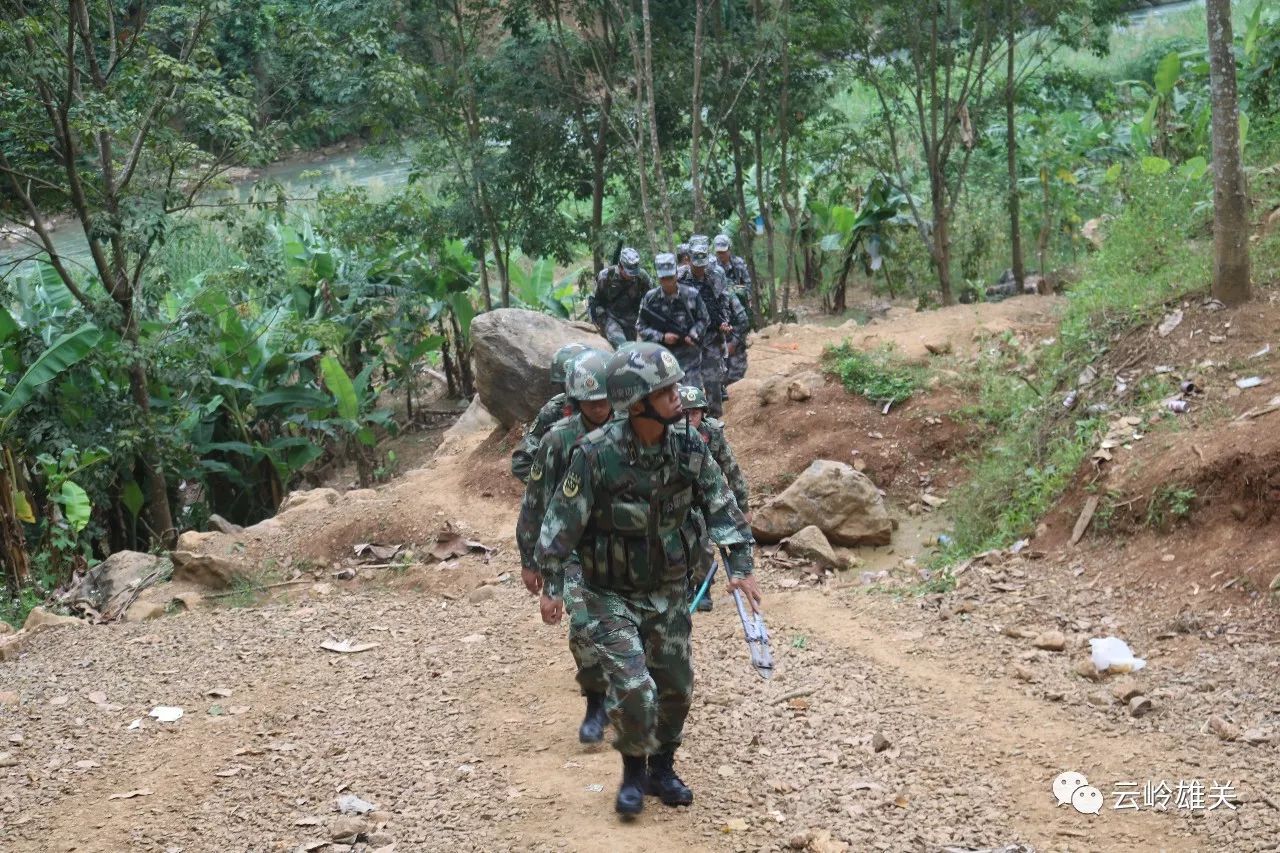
(553, 410)
(706, 278)
(682, 258)
(736, 272)
(622, 509)
(586, 389)
(616, 301)
(735, 366)
(711, 431)
(675, 316)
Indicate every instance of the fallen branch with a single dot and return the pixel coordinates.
(1259, 412)
(231, 592)
(795, 694)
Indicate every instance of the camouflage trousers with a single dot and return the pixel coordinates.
(617, 333)
(643, 644)
(590, 674)
(736, 365)
(713, 372)
(695, 530)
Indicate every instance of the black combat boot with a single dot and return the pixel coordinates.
(630, 800)
(704, 605)
(663, 781)
(592, 728)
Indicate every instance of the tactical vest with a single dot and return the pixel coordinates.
(636, 538)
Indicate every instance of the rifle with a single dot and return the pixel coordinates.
(617, 253)
(753, 627)
(662, 325)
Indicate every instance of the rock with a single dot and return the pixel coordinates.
(1224, 729)
(879, 743)
(144, 611)
(362, 495)
(1099, 699)
(40, 619)
(938, 348)
(1125, 689)
(809, 543)
(1052, 641)
(512, 349)
(798, 391)
(475, 420)
(736, 824)
(310, 500)
(207, 570)
(111, 586)
(1238, 512)
(842, 502)
(7, 760)
(263, 529)
(221, 525)
(1140, 706)
(9, 699)
(5, 628)
(1024, 673)
(186, 601)
(197, 541)
(800, 840)
(381, 839)
(11, 646)
(480, 594)
(1256, 736)
(1086, 670)
(347, 829)
(824, 843)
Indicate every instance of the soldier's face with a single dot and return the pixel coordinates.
(595, 411)
(668, 283)
(723, 256)
(666, 402)
(695, 417)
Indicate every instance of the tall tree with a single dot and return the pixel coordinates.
(700, 15)
(929, 72)
(1230, 195)
(102, 103)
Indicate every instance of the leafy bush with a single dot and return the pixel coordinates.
(877, 375)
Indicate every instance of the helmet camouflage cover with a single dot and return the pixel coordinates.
(587, 377)
(638, 372)
(692, 397)
(629, 259)
(560, 361)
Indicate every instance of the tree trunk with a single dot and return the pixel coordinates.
(1230, 196)
(598, 153)
(157, 487)
(746, 229)
(1011, 144)
(484, 279)
(694, 177)
(655, 146)
(784, 138)
(767, 214)
(942, 249)
(17, 572)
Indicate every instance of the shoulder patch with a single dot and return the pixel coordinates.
(572, 485)
(535, 472)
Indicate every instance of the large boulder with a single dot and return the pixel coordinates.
(40, 619)
(475, 420)
(112, 585)
(208, 570)
(512, 351)
(843, 503)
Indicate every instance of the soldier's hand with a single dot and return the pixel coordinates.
(725, 327)
(690, 341)
(670, 338)
(532, 580)
(749, 588)
(552, 609)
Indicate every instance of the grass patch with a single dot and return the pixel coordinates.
(1153, 254)
(15, 610)
(1169, 504)
(877, 375)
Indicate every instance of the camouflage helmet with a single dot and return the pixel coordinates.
(636, 373)
(629, 260)
(692, 397)
(699, 250)
(587, 376)
(682, 251)
(560, 361)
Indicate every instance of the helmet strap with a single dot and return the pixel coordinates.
(652, 414)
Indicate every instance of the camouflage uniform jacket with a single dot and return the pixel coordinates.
(618, 299)
(712, 432)
(714, 290)
(599, 511)
(522, 457)
(545, 474)
(683, 312)
(739, 278)
(739, 319)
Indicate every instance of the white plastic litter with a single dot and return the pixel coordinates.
(1112, 654)
(166, 714)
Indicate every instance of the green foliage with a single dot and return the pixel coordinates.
(878, 375)
(1168, 504)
